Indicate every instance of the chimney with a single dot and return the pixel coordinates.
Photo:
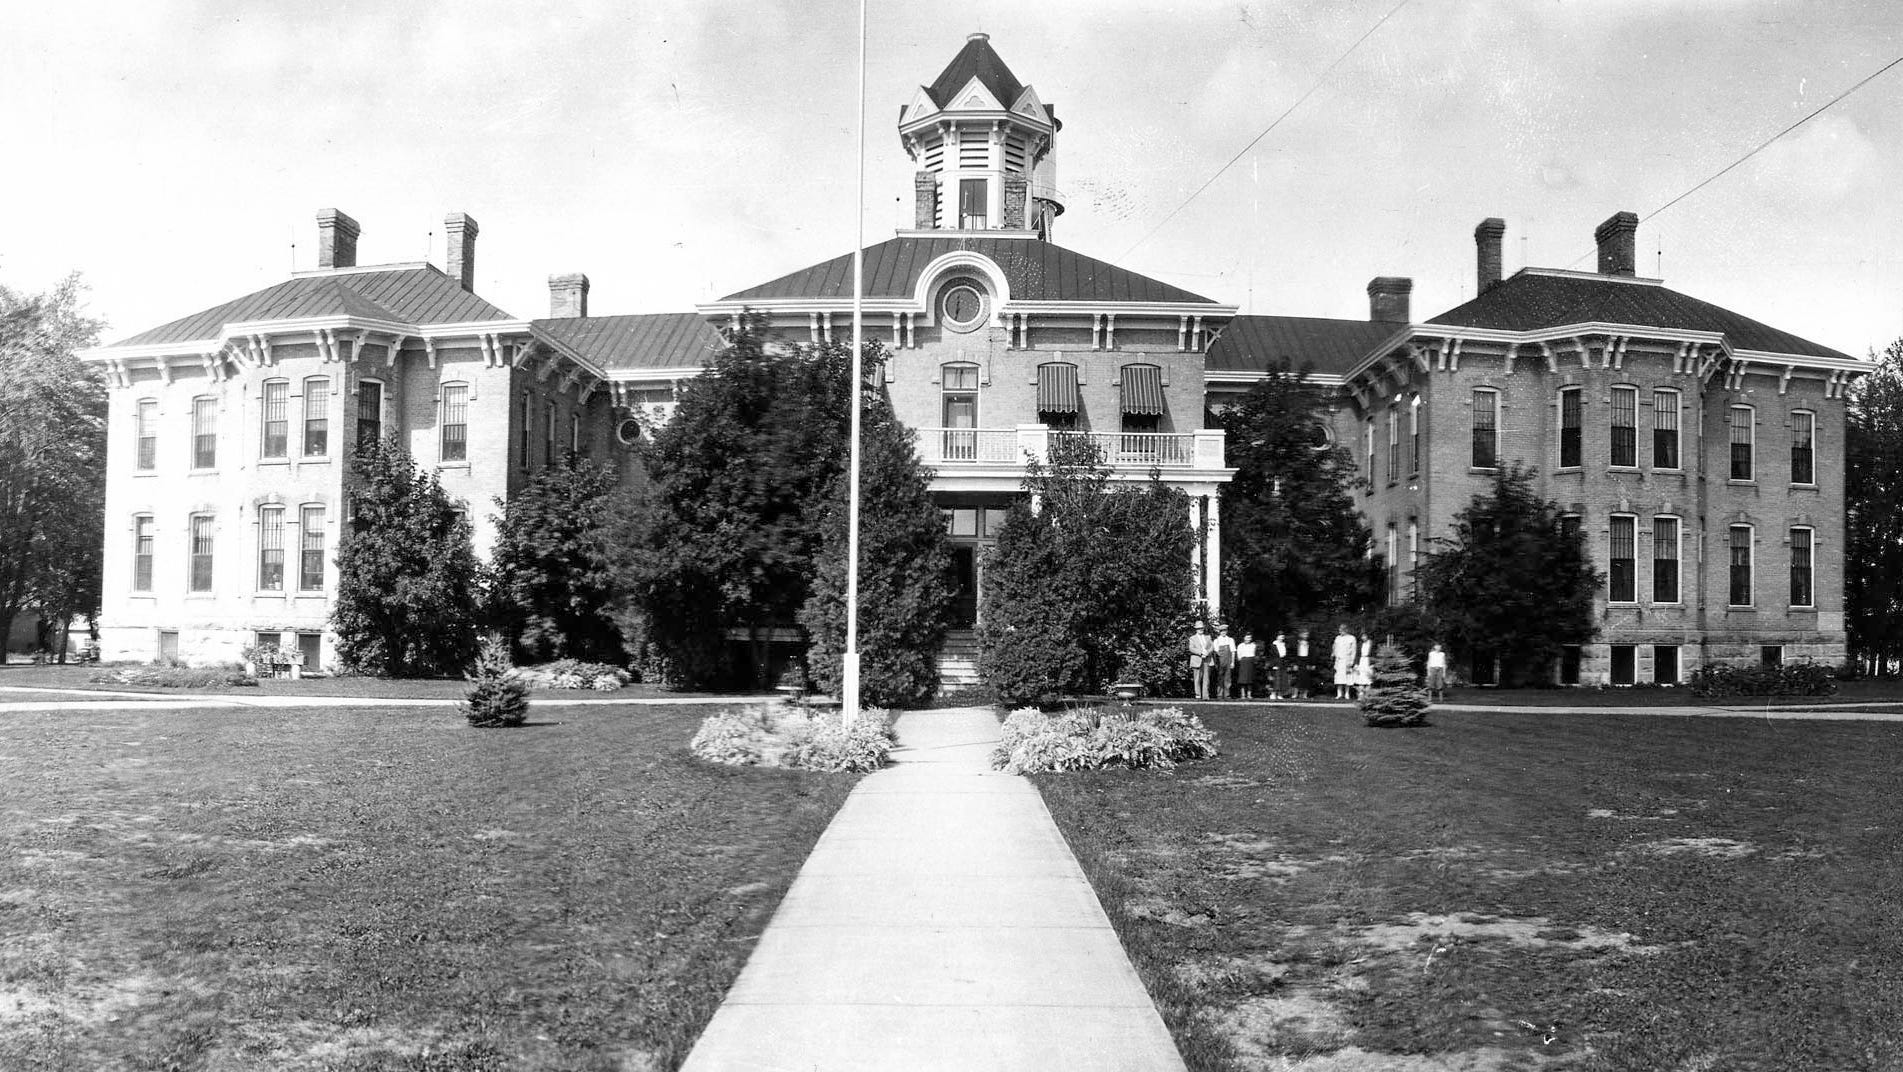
(1487, 246)
(1618, 239)
(1387, 298)
(336, 239)
(461, 230)
(926, 185)
(567, 296)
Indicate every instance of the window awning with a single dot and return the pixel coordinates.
(1057, 388)
(1143, 390)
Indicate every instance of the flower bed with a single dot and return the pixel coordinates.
(779, 735)
(1145, 738)
(574, 674)
(171, 677)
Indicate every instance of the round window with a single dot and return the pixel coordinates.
(963, 305)
(628, 431)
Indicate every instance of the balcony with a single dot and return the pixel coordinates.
(1003, 452)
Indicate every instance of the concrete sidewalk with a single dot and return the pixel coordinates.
(941, 922)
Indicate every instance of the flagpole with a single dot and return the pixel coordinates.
(849, 702)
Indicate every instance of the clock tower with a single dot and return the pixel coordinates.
(984, 144)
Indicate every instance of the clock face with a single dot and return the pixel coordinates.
(962, 307)
(629, 431)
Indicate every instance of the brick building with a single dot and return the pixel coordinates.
(1699, 450)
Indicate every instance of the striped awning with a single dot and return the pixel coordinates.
(1143, 390)
(1057, 388)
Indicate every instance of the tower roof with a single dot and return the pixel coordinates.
(976, 60)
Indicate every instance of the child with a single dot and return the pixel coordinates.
(1436, 673)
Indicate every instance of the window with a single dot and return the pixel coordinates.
(1486, 429)
(1057, 395)
(1771, 655)
(1414, 433)
(1625, 426)
(1803, 447)
(1368, 444)
(1413, 556)
(270, 548)
(574, 433)
(1394, 565)
(1665, 560)
(1394, 444)
(1664, 429)
(1622, 582)
(548, 433)
(1624, 664)
(1740, 565)
(524, 431)
(973, 205)
(1569, 659)
(369, 412)
(1742, 420)
(142, 553)
(310, 549)
(199, 573)
(960, 386)
(276, 442)
(204, 433)
(453, 444)
(1570, 526)
(1802, 594)
(1571, 450)
(316, 416)
(1665, 664)
(146, 431)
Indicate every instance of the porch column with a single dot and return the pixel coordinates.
(1212, 555)
(1196, 546)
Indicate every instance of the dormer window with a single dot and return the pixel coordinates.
(973, 202)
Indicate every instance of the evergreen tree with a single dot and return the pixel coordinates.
(1293, 548)
(554, 577)
(730, 528)
(1511, 583)
(1396, 697)
(407, 576)
(52, 459)
(1873, 513)
(905, 585)
(497, 696)
(1090, 588)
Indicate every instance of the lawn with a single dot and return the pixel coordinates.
(379, 889)
(1511, 891)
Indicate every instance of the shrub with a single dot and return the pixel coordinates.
(778, 735)
(173, 676)
(497, 695)
(1395, 698)
(1032, 742)
(574, 674)
(1789, 679)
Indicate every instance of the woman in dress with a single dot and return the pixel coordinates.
(1344, 653)
(1303, 678)
(1364, 669)
(1245, 666)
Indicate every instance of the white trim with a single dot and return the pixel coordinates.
(363, 269)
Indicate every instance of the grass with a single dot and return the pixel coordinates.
(1511, 891)
(379, 889)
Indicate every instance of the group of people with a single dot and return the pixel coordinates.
(1222, 668)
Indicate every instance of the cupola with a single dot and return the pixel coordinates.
(984, 145)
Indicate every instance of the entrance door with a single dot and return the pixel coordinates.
(965, 579)
(311, 646)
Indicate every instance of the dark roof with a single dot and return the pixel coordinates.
(1036, 271)
(1253, 343)
(637, 341)
(411, 295)
(1534, 300)
(976, 59)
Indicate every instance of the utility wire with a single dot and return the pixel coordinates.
(1319, 79)
(1871, 77)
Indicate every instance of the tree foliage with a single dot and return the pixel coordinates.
(407, 576)
(553, 577)
(1090, 588)
(1873, 512)
(905, 584)
(52, 457)
(1395, 698)
(497, 695)
(730, 527)
(1510, 583)
(1293, 547)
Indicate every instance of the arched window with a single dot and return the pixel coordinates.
(1803, 447)
(316, 416)
(204, 432)
(1665, 402)
(369, 411)
(146, 433)
(1625, 426)
(142, 541)
(1571, 446)
(271, 548)
(1486, 428)
(453, 428)
(274, 440)
(1744, 421)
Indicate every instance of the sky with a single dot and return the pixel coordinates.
(176, 153)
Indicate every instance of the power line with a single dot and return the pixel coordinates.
(1319, 79)
(1871, 77)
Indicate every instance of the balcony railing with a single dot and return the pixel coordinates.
(1201, 449)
